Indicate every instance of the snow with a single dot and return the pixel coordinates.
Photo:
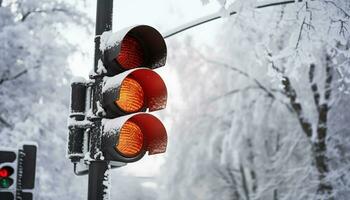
(107, 184)
(78, 79)
(100, 111)
(100, 68)
(108, 39)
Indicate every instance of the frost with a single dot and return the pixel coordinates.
(107, 184)
(73, 122)
(100, 111)
(99, 155)
(78, 79)
(100, 68)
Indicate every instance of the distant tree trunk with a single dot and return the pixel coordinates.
(319, 147)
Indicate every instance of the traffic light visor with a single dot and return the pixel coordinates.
(135, 134)
(133, 91)
(133, 47)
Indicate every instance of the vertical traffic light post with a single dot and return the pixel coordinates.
(98, 167)
(108, 124)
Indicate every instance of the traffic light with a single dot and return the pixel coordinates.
(131, 86)
(8, 166)
(115, 100)
(17, 172)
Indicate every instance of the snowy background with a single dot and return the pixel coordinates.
(258, 108)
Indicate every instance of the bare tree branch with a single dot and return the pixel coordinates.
(19, 74)
(300, 32)
(6, 123)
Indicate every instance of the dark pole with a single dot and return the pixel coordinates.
(217, 15)
(98, 167)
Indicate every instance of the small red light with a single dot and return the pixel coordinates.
(131, 53)
(4, 173)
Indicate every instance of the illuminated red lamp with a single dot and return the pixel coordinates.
(131, 53)
(4, 172)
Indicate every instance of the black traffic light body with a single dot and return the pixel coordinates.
(17, 172)
(108, 126)
(148, 45)
(108, 120)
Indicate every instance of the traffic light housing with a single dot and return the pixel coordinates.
(17, 172)
(108, 119)
(132, 47)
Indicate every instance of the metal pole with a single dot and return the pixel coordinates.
(218, 15)
(97, 190)
(98, 168)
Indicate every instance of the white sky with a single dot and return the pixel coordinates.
(163, 15)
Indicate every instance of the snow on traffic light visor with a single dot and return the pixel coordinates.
(133, 91)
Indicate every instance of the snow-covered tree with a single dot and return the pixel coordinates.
(267, 109)
(34, 87)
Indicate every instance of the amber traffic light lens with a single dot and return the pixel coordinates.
(131, 96)
(131, 53)
(130, 140)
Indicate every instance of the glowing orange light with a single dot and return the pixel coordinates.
(131, 96)
(130, 140)
(131, 53)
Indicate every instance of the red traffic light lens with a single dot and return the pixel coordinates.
(5, 172)
(130, 140)
(131, 96)
(131, 53)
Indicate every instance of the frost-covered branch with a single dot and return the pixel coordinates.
(292, 95)
(300, 32)
(19, 74)
(241, 72)
(244, 182)
(314, 88)
(27, 14)
(235, 91)
(227, 174)
(347, 15)
(6, 123)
